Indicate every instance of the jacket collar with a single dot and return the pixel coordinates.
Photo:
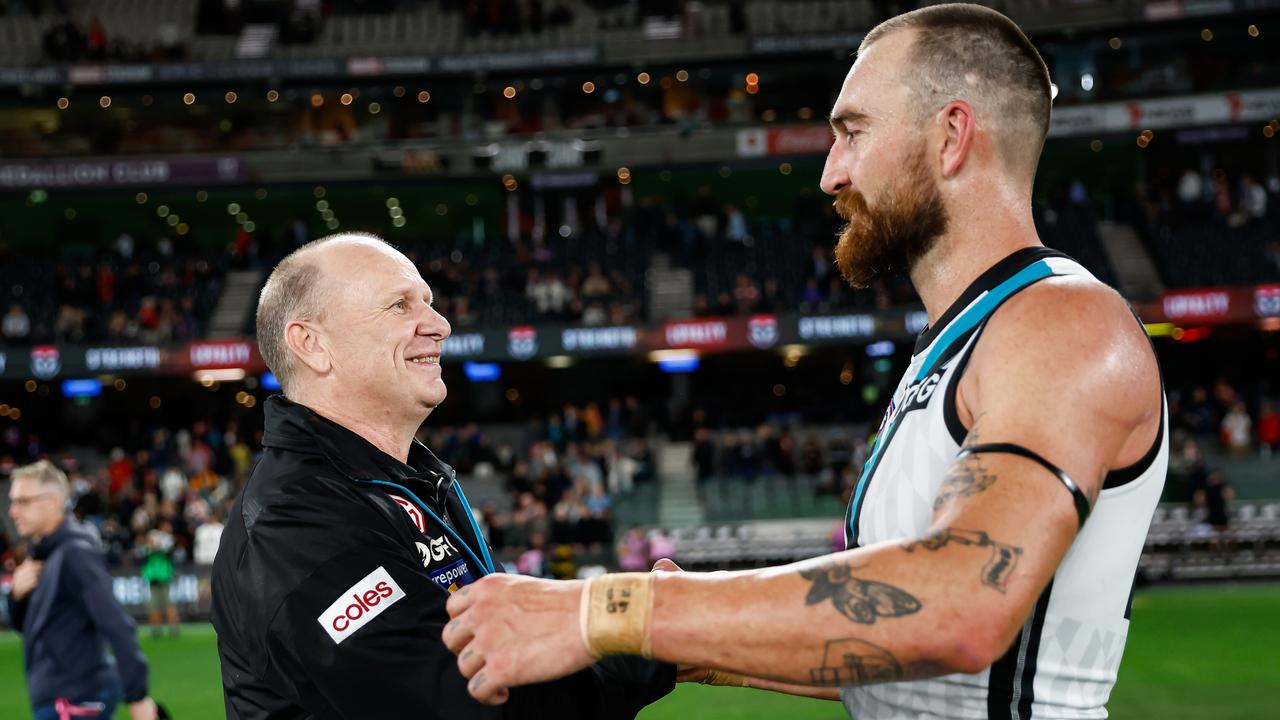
(296, 428)
(65, 531)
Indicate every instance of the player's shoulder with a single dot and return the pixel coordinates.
(1070, 331)
(1066, 316)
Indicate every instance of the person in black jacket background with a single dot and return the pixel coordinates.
(330, 583)
(62, 604)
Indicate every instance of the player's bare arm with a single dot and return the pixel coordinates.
(950, 601)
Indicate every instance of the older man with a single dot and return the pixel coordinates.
(62, 604)
(330, 582)
(996, 528)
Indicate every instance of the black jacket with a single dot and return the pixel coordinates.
(70, 618)
(330, 583)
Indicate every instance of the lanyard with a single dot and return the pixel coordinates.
(486, 565)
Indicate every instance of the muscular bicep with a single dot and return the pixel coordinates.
(1070, 397)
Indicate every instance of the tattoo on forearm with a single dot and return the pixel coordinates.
(850, 661)
(862, 601)
(966, 478)
(1003, 560)
(855, 662)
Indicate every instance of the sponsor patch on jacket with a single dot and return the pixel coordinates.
(360, 604)
(414, 513)
(453, 576)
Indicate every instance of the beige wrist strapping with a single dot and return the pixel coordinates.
(725, 679)
(614, 613)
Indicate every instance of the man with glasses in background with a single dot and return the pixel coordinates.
(62, 604)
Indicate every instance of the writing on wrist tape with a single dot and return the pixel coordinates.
(725, 679)
(614, 614)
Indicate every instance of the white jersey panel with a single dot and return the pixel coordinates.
(1064, 663)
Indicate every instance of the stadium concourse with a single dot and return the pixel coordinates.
(616, 206)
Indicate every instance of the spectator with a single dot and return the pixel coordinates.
(1215, 501)
(16, 326)
(1253, 199)
(1237, 430)
(157, 570)
(1268, 429)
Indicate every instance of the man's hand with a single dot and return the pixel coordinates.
(509, 630)
(26, 577)
(144, 709)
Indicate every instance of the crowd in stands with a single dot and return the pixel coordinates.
(550, 502)
(1211, 228)
(67, 41)
(135, 292)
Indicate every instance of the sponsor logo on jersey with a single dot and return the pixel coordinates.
(453, 576)
(359, 604)
(414, 513)
(436, 550)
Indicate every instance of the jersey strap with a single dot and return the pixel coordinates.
(979, 311)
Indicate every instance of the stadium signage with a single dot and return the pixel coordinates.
(1197, 305)
(122, 172)
(837, 326)
(221, 354)
(762, 331)
(45, 362)
(522, 342)
(464, 345)
(122, 358)
(605, 338)
(1266, 301)
(802, 140)
(701, 333)
(1167, 113)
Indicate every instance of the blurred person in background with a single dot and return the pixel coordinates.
(1268, 429)
(62, 604)
(1215, 500)
(157, 571)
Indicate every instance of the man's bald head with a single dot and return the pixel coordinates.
(975, 54)
(299, 288)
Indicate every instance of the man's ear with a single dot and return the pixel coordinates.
(959, 125)
(308, 346)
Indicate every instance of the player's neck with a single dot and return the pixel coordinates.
(974, 242)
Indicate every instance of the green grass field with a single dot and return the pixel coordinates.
(1201, 652)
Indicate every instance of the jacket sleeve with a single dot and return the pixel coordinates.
(17, 611)
(347, 642)
(90, 575)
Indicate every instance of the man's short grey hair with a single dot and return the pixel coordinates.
(294, 291)
(973, 53)
(45, 474)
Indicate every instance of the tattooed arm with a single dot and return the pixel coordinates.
(1082, 391)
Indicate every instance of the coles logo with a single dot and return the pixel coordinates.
(762, 331)
(522, 342)
(360, 604)
(45, 362)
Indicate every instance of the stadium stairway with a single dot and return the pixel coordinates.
(670, 289)
(678, 504)
(1135, 269)
(239, 298)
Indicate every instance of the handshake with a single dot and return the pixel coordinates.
(510, 630)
